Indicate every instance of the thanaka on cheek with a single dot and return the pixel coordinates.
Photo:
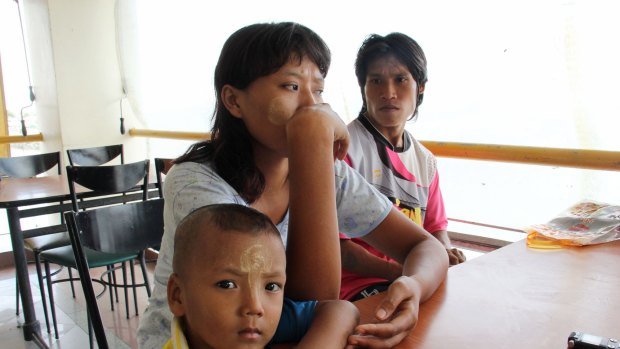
(277, 114)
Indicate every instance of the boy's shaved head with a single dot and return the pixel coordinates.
(219, 218)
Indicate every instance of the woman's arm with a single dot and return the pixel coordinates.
(455, 255)
(422, 256)
(315, 136)
(425, 265)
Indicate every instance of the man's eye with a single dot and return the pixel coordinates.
(226, 284)
(273, 287)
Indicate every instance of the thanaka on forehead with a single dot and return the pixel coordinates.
(219, 218)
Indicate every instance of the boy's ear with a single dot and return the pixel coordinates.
(421, 89)
(230, 96)
(175, 295)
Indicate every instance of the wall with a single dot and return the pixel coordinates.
(76, 76)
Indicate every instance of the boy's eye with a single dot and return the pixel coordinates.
(374, 81)
(225, 284)
(401, 79)
(319, 92)
(273, 287)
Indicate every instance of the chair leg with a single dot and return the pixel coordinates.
(90, 328)
(16, 296)
(50, 291)
(133, 286)
(37, 263)
(71, 282)
(111, 287)
(115, 282)
(125, 288)
(144, 273)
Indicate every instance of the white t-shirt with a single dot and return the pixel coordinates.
(189, 186)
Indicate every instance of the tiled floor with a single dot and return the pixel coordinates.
(71, 314)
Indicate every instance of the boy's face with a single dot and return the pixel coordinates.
(230, 293)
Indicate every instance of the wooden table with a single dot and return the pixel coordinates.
(21, 192)
(518, 297)
(17, 195)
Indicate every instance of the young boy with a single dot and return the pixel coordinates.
(227, 287)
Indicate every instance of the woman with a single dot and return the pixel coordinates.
(277, 148)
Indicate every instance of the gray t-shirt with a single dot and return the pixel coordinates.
(191, 185)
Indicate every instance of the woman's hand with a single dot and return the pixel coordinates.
(326, 119)
(396, 315)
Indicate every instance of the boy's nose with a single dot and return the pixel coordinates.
(252, 304)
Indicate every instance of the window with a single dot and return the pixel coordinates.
(16, 77)
(500, 72)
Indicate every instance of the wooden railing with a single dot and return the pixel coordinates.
(21, 139)
(579, 158)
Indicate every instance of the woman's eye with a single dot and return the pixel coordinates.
(402, 79)
(374, 81)
(273, 287)
(292, 87)
(225, 284)
(319, 92)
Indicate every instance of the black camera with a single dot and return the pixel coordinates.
(578, 340)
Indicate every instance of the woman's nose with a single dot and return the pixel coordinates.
(308, 97)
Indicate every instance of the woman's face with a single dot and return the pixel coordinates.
(391, 93)
(269, 102)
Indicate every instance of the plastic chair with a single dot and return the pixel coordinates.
(26, 167)
(95, 156)
(103, 181)
(129, 228)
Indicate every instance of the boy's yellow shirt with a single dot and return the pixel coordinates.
(177, 340)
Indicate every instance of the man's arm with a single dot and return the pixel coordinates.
(355, 258)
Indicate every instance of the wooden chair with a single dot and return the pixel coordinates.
(122, 229)
(104, 181)
(26, 167)
(95, 156)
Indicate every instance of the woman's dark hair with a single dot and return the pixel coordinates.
(250, 53)
(403, 48)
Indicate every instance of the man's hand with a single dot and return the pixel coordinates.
(456, 256)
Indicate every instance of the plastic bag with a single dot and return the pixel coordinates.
(586, 223)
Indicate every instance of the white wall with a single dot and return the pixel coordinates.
(76, 75)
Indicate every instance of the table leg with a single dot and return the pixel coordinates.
(31, 327)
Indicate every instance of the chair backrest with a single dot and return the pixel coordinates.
(95, 156)
(106, 180)
(29, 165)
(162, 166)
(126, 228)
